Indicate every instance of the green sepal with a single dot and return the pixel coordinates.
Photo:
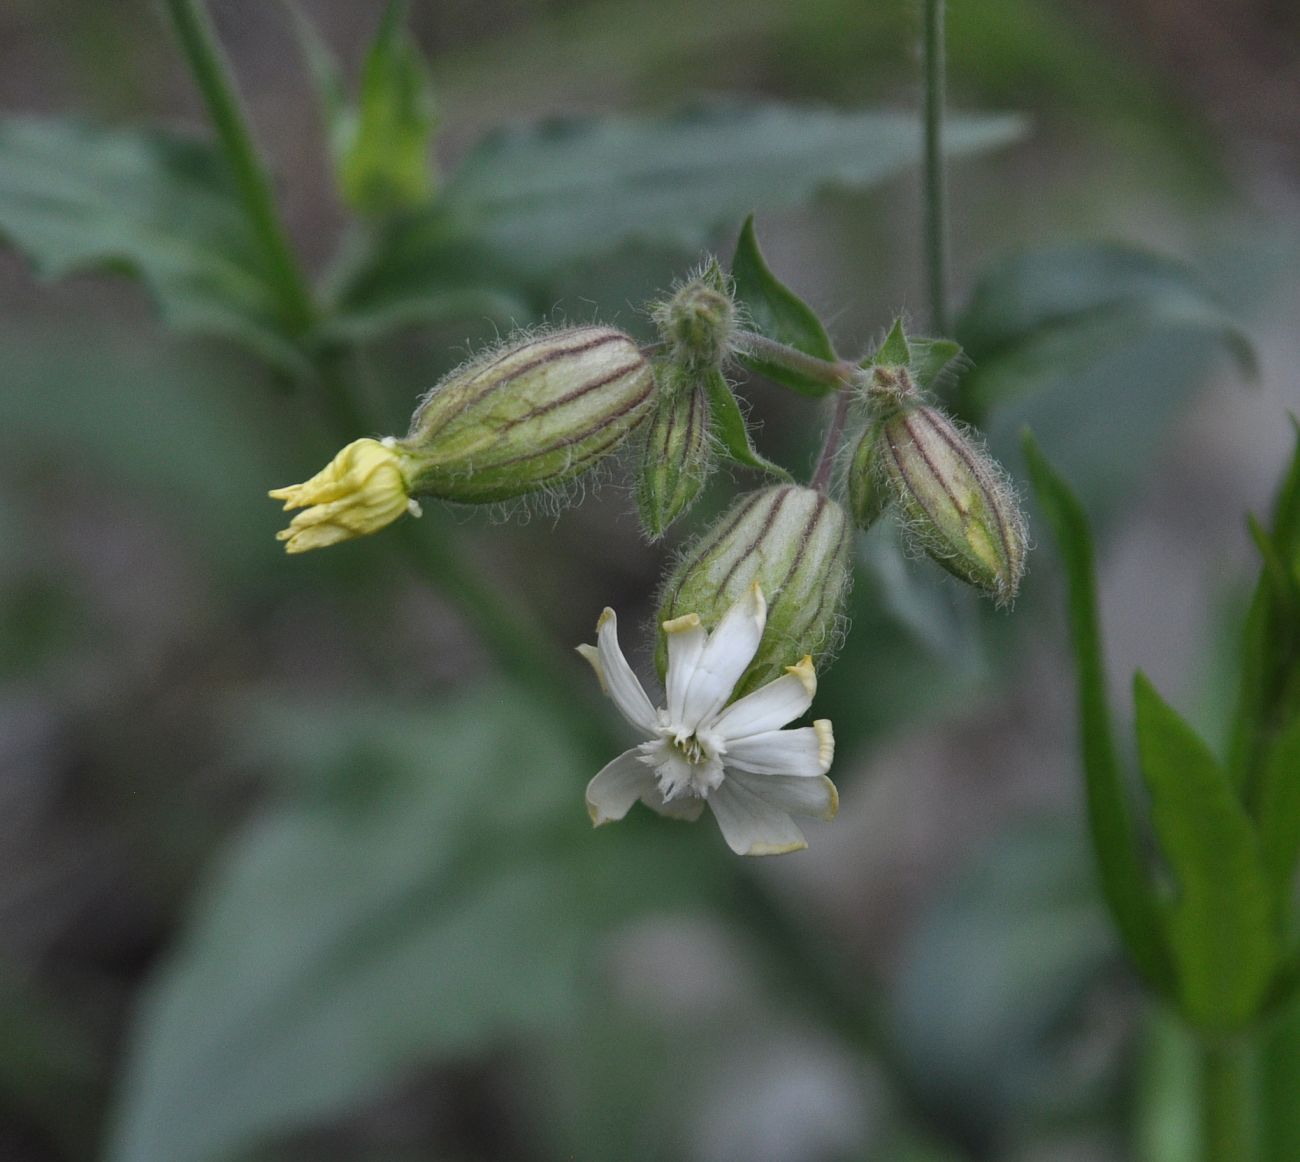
(1115, 840)
(777, 313)
(894, 351)
(1221, 925)
(731, 429)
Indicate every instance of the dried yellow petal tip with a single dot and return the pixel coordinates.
(358, 492)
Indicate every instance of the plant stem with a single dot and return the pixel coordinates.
(936, 210)
(212, 73)
(1227, 1102)
(834, 434)
(833, 374)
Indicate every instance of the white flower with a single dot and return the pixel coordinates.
(736, 757)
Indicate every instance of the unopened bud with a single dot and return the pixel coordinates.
(698, 322)
(361, 490)
(530, 415)
(678, 453)
(794, 542)
(868, 493)
(955, 499)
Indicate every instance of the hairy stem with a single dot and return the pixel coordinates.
(830, 448)
(1227, 1103)
(212, 74)
(936, 197)
(832, 373)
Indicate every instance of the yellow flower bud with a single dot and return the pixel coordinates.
(360, 491)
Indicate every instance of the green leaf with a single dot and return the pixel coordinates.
(1279, 1082)
(1221, 924)
(1115, 839)
(154, 205)
(732, 430)
(383, 145)
(777, 313)
(428, 891)
(1042, 314)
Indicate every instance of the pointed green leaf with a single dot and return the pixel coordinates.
(383, 146)
(1221, 924)
(323, 67)
(732, 431)
(894, 350)
(155, 205)
(777, 313)
(1115, 839)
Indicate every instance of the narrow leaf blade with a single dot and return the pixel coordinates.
(1115, 839)
(730, 427)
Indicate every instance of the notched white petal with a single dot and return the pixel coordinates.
(751, 825)
(725, 657)
(686, 638)
(617, 786)
(620, 681)
(770, 707)
(592, 656)
(805, 751)
(816, 797)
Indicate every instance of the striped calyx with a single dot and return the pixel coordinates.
(795, 543)
(528, 415)
(955, 499)
(678, 453)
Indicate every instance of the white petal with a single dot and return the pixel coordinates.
(622, 684)
(752, 826)
(686, 638)
(726, 655)
(804, 752)
(770, 707)
(687, 807)
(619, 784)
(798, 796)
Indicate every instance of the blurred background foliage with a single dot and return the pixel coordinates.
(292, 870)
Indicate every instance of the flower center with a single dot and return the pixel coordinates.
(684, 764)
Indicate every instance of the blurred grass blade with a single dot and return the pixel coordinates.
(1221, 925)
(732, 430)
(1268, 693)
(1115, 839)
(323, 67)
(1279, 1082)
(1279, 810)
(777, 313)
(151, 204)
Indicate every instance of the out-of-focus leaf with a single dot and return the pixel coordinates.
(1221, 926)
(1279, 1082)
(152, 204)
(777, 313)
(1115, 839)
(431, 894)
(1047, 313)
(531, 201)
(1279, 810)
(383, 146)
(930, 359)
(731, 429)
(1167, 1112)
(992, 974)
